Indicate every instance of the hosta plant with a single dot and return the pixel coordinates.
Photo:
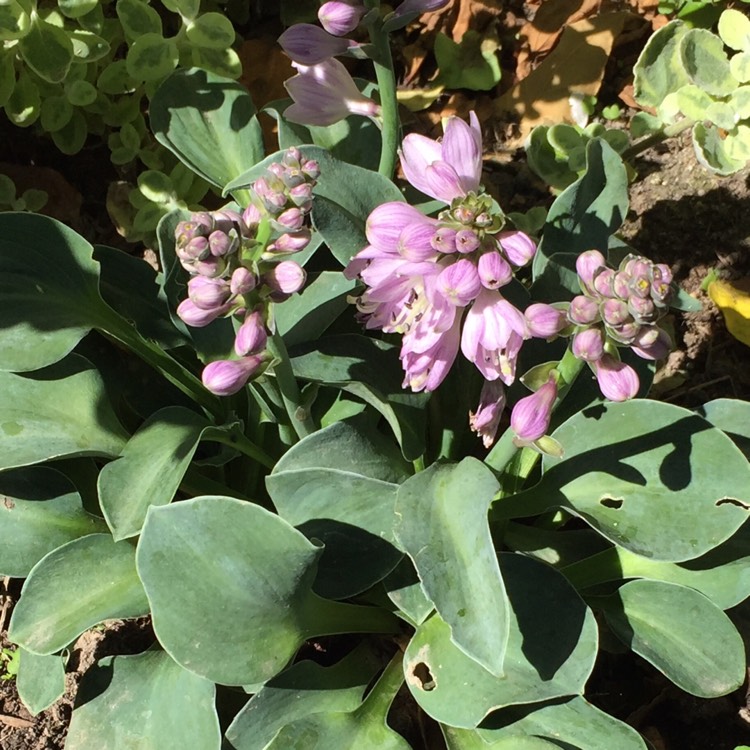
(342, 443)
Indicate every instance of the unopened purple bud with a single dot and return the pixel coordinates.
(444, 240)
(494, 270)
(311, 168)
(197, 317)
(588, 345)
(195, 249)
(617, 381)
(484, 220)
(340, 18)
(251, 336)
(228, 376)
(624, 333)
(286, 277)
(222, 244)
(459, 283)
(518, 247)
(292, 157)
(635, 265)
(620, 285)
(292, 177)
(531, 416)
(290, 242)
(466, 241)
(587, 264)
(652, 342)
(226, 219)
(207, 293)
(251, 217)
(309, 45)
(243, 281)
(292, 219)
(204, 220)
(464, 214)
(486, 419)
(604, 282)
(301, 196)
(643, 310)
(614, 312)
(661, 291)
(210, 267)
(415, 242)
(544, 321)
(662, 272)
(583, 310)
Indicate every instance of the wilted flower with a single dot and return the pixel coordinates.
(486, 419)
(324, 94)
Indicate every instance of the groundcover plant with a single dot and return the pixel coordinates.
(380, 420)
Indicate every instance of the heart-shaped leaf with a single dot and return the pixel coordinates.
(40, 680)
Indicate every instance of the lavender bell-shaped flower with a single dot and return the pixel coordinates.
(617, 381)
(308, 44)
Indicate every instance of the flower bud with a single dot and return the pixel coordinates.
(620, 285)
(588, 345)
(604, 283)
(197, 317)
(251, 217)
(643, 310)
(196, 248)
(286, 277)
(228, 376)
(617, 381)
(308, 44)
(444, 240)
(544, 321)
(208, 293)
(531, 416)
(459, 283)
(291, 220)
(340, 18)
(251, 336)
(311, 168)
(652, 342)
(583, 310)
(291, 242)
(466, 241)
(587, 264)
(243, 281)
(301, 196)
(518, 247)
(222, 244)
(614, 312)
(494, 270)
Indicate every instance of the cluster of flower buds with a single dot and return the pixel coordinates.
(323, 91)
(234, 273)
(619, 308)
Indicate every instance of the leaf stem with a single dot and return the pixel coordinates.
(235, 438)
(670, 131)
(379, 699)
(326, 617)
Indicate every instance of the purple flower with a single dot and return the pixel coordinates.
(617, 381)
(486, 419)
(588, 344)
(587, 264)
(243, 281)
(494, 270)
(427, 358)
(324, 94)
(197, 317)
(459, 283)
(228, 376)
(207, 293)
(531, 415)
(340, 18)
(309, 45)
(286, 277)
(583, 310)
(652, 342)
(448, 169)
(251, 337)
(493, 333)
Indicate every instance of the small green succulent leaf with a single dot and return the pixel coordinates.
(305, 688)
(115, 79)
(72, 136)
(61, 410)
(693, 101)
(454, 689)
(706, 63)
(40, 680)
(659, 69)
(721, 114)
(55, 113)
(24, 103)
(81, 93)
(642, 614)
(74, 587)
(41, 511)
(138, 19)
(570, 723)
(150, 469)
(7, 78)
(144, 701)
(734, 29)
(565, 138)
(76, 8)
(47, 50)
(338, 485)
(209, 122)
(212, 30)
(552, 167)
(221, 62)
(151, 57)
(712, 150)
(739, 65)
(471, 63)
(15, 20)
(444, 530)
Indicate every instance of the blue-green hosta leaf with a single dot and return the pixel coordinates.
(339, 486)
(471, 739)
(551, 651)
(571, 723)
(659, 70)
(40, 511)
(305, 688)
(47, 50)
(681, 633)
(730, 415)
(443, 528)
(40, 680)
(150, 469)
(74, 587)
(145, 701)
(209, 122)
(59, 411)
(651, 477)
(230, 589)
